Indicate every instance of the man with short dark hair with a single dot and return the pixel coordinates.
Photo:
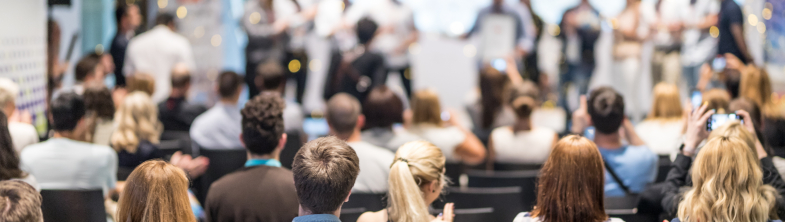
(20, 201)
(263, 190)
(633, 163)
(128, 19)
(88, 72)
(324, 172)
(345, 118)
(156, 52)
(219, 127)
(271, 77)
(63, 161)
(176, 113)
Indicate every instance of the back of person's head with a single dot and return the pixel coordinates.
(324, 173)
(343, 112)
(717, 99)
(263, 123)
(666, 104)
(8, 93)
(366, 29)
(136, 120)
(181, 76)
(382, 108)
(524, 98)
(493, 84)
(426, 107)
(417, 164)
(229, 84)
(98, 101)
(9, 159)
(141, 82)
(751, 107)
(155, 191)
(565, 196)
(67, 110)
(756, 86)
(735, 129)
(86, 66)
(727, 185)
(270, 75)
(606, 108)
(164, 18)
(19, 202)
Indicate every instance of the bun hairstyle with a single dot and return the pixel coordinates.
(523, 98)
(416, 165)
(606, 108)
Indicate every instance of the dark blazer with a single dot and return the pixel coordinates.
(177, 114)
(144, 152)
(258, 193)
(119, 45)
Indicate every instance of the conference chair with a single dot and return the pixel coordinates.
(505, 201)
(469, 214)
(626, 208)
(169, 147)
(453, 171)
(663, 167)
(222, 162)
(525, 179)
(123, 173)
(183, 137)
(513, 166)
(294, 140)
(351, 214)
(73, 205)
(369, 201)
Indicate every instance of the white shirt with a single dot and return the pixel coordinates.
(698, 46)
(386, 13)
(374, 167)
(61, 163)
(529, 29)
(293, 117)
(446, 138)
(669, 12)
(526, 217)
(22, 135)
(218, 128)
(155, 52)
(524, 147)
(661, 136)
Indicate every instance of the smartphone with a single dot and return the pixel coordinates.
(718, 64)
(499, 64)
(696, 98)
(717, 120)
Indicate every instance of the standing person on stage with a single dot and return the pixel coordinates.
(532, 27)
(579, 31)
(396, 33)
(499, 8)
(666, 36)
(698, 46)
(128, 19)
(627, 51)
(731, 26)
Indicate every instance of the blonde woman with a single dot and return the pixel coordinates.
(756, 86)
(663, 128)
(416, 180)
(427, 123)
(137, 130)
(155, 191)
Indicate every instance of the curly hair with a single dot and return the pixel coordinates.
(20, 201)
(136, 120)
(98, 101)
(263, 122)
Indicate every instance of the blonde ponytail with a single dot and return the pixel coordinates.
(416, 164)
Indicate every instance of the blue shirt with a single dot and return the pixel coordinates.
(218, 128)
(265, 162)
(636, 166)
(317, 218)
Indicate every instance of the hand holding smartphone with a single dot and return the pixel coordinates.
(717, 120)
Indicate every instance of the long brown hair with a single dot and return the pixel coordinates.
(9, 159)
(426, 107)
(666, 104)
(492, 87)
(155, 192)
(566, 196)
(756, 86)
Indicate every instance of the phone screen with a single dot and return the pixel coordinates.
(718, 64)
(696, 99)
(499, 64)
(718, 120)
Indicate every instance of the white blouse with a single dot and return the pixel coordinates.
(523, 147)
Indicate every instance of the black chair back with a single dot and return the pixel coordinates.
(369, 201)
(123, 173)
(514, 167)
(222, 162)
(469, 214)
(626, 208)
(664, 166)
(169, 147)
(184, 139)
(73, 205)
(351, 214)
(453, 171)
(294, 141)
(525, 179)
(505, 201)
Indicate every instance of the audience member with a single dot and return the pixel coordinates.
(630, 166)
(358, 70)
(344, 116)
(728, 185)
(100, 110)
(9, 158)
(89, 71)
(21, 203)
(489, 110)
(271, 77)
(522, 142)
(22, 133)
(663, 128)
(731, 31)
(457, 143)
(325, 170)
(176, 113)
(128, 19)
(756, 86)
(563, 195)
(156, 52)
(138, 130)
(63, 161)
(717, 99)
(219, 127)
(262, 190)
(155, 191)
(416, 180)
(382, 109)
(141, 82)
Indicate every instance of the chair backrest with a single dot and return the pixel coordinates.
(626, 208)
(294, 141)
(525, 179)
(469, 214)
(514, 167)
(169, 147)
(183, 137)
(222, 162)
(664, 166)
(453, 171)
(369, 201)
(124, 172)
(73, 205)
(505, 201)
(351, 214)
